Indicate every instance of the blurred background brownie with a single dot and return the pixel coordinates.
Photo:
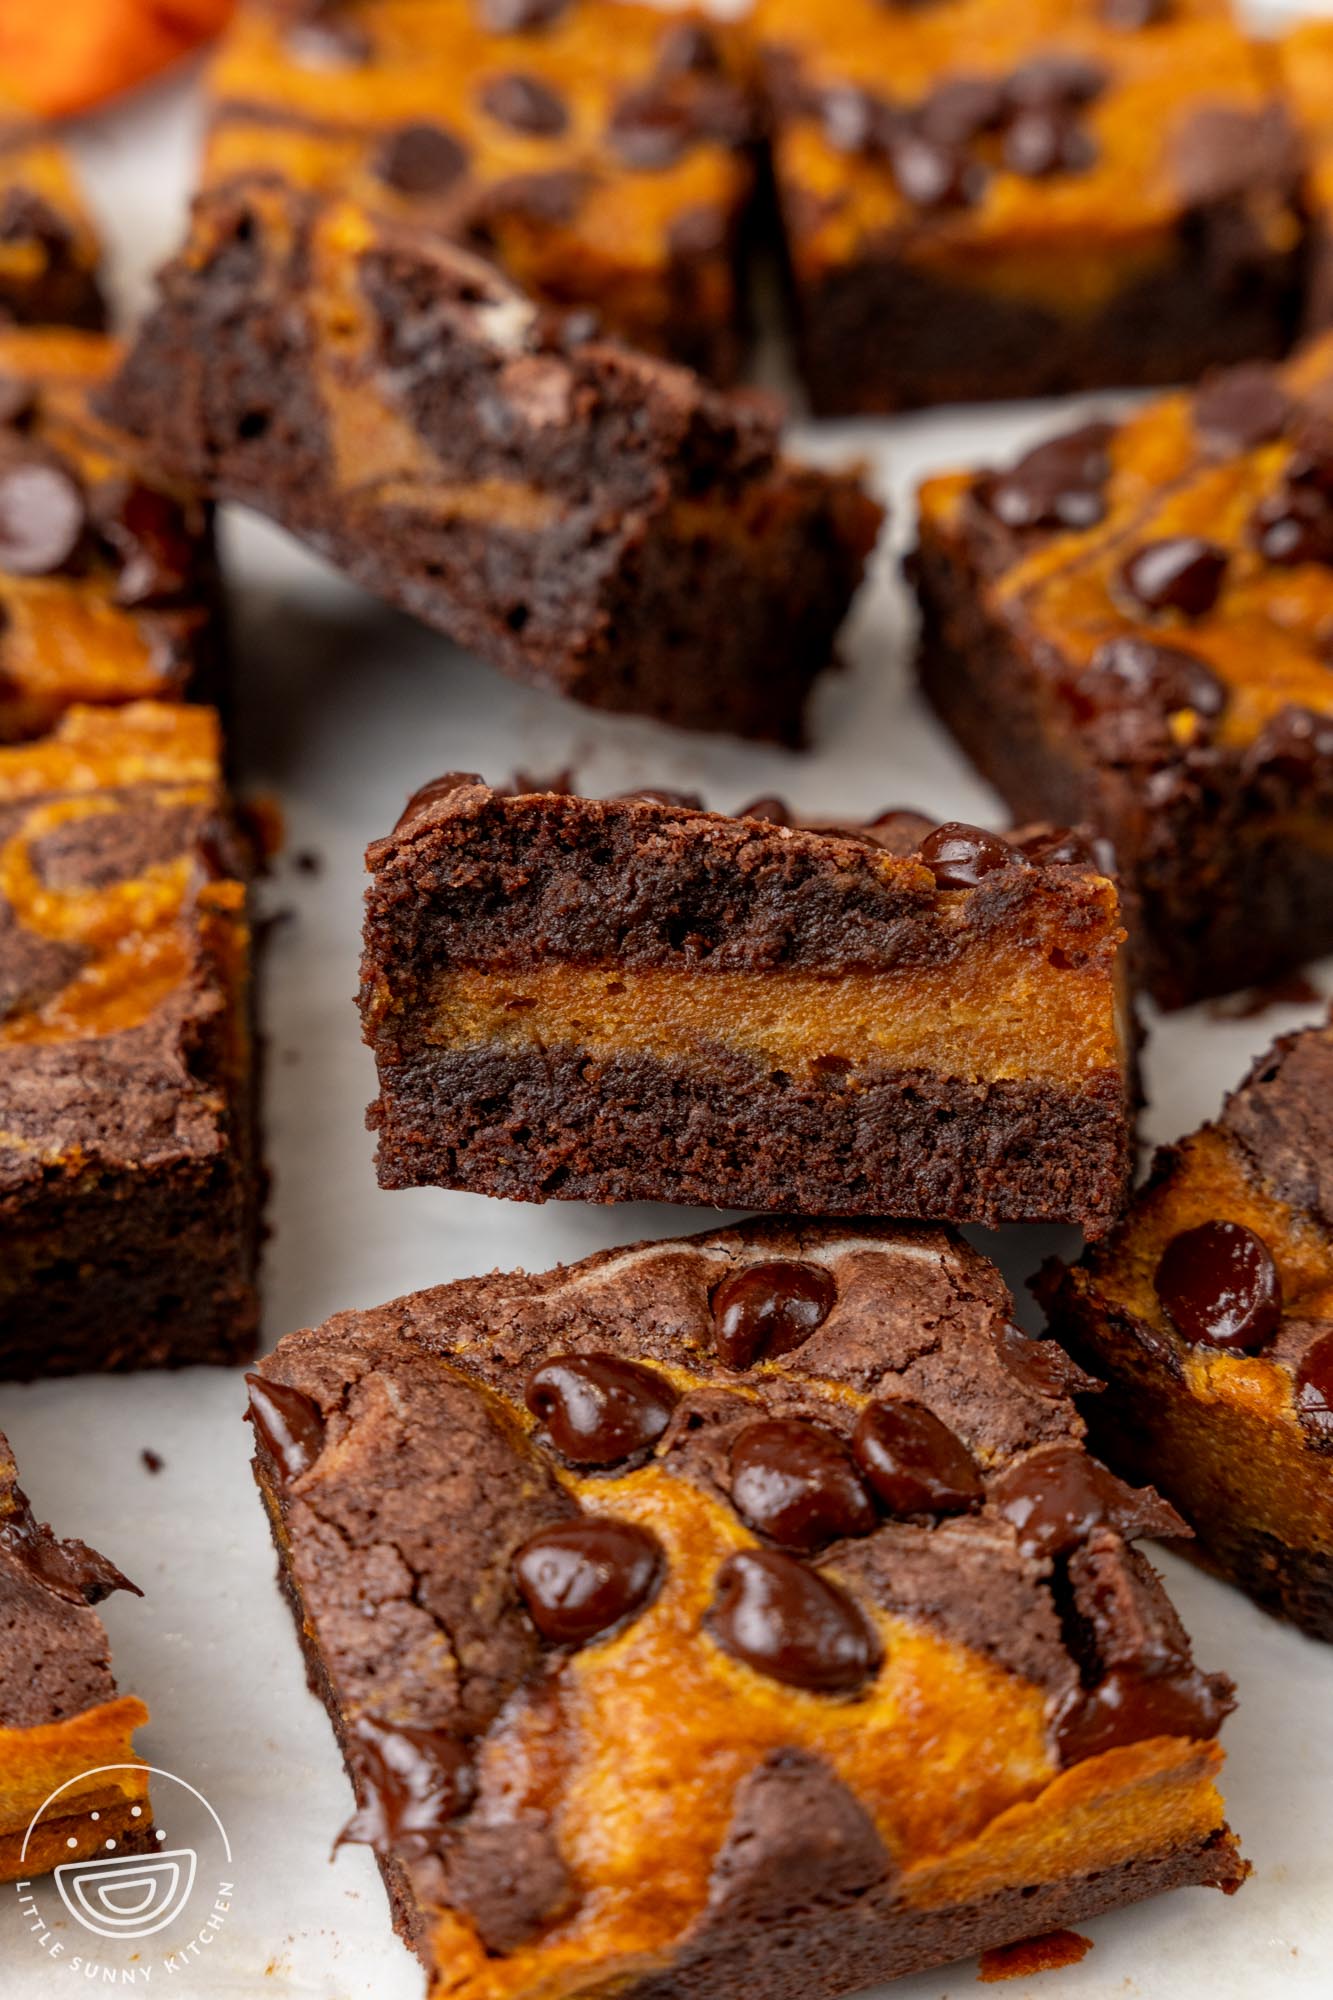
(1307, 68)
(49, 252)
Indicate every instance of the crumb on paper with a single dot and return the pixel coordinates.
(1039, 1954)
(153, 1461)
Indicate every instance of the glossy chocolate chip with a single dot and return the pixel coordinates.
(961, 108)
(1314, 1390)
(581, 1578)
(289, 1422)
(1066, 847)
(765, 1310)
(412, 1784)
(794, 1482)
(960, 856)
(1295, 747)
(1179, 573)
(68, 1569)
(1058, 484)
(147, 532)
(435, 789)
(1128, 1707)
(1242, 407)
(43, 514)
(1295, 524)
(1135, 671)
(1055, 80)
(519, 17)
(1220, 1287)
(421, 160)
(651, 131)
(914, 1462)
(1056, 1498)
(1040, 1365)
(932, 175)
(898, 830)
(525, 104)
(791, 1623)
(597, 1408)
(1046, 139)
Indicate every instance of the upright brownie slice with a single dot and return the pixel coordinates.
(128, 1175)
(987, 198)
(1131, 627)
(739, 1615)
(579, 514)
(593, 148)
(108, 579)
(49, 252)
(634, 999)
(61, 1720)
(1210, 1314)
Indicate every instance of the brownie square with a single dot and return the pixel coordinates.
(739, 1615)
(1130, 627)
(581, 515)
(636, 1000)
(49, 251)
(61, 1719)
(1209, 1313)
(129, 1180)
(987, 199)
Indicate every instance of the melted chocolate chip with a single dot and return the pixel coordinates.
(581, 1578)
(68, 1569)
(525, 104)
(442, 787)
(412, 1783)
(147, 531)
(1180, 573)
(1242, 407)
(958, 855)
(1314, 1390)
(1055, 81)
(290, 1423)
(421, 160)
(43, 513)
(914, 1462)
(1066, 847)
(597, 1408)
(1126, 1707)
(1058, 484)
(791, 1623)
(1295, 747)
(1132, 671)
(1295, 524)
(1040, 1365)
(519, 17)
(898, 830)
(794, 1482)
(931, 175)
(960, 109)
(1056, 1498)
(765, 1310)
(1220, 1287)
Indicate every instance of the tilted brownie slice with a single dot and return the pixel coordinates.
(579, 514)
(108, 578)
(129, 1182)
(1306, 56)
(595, 150)
(49, 252)
(61, 1719)
(634, 999)
(1130, 627)
(734, 1615)
(988, 198)
(1210, 1314)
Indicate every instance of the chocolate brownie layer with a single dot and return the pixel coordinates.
(850, 1705)
(579, 514)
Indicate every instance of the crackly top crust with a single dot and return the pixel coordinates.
(1186, 113)
(1241, 473)
(113, 597)
(49, 251)
(406, 1472)
(123, 946)
(594, 148)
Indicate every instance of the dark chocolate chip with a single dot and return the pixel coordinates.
(855, 120)
(689, 48)
(771, 808)
(290, 1423)
(68, 1569)
(1294, 747)
(581, 1578)
(525, 104)
(1046, 139)
(519, 17)
(1226, 152)
(1314, 1390)
(960, 109)
(794, 1482)
(1134, 671)
(1220, 1286)
(411, 1782)
(930, 175)
(18, 399)
(1055, 81)
(1128, 1707)
(1131, 14)
(765, 1310)
(1066, 847)
(1180, 573)
(421, 160)
(1056, 1498)
(958, 855)
(660, 796)
(1242, 407)
(1040, 1365)
(1058, 484)
(651, 131)
(598, 1408)
(554, 198)
(442, 787)
(1295, 524)
(914, 1462)
(147, 531)
(791, 1623)
(898, 830)
(43, 513)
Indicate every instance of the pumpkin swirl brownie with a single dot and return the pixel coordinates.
(739, 1615)
(129, 1183)
(108, 579)
(579, 514)
(49, 252)
(1130, 627)
(989, 198)
(595, 150)
(61, 1719)
(636, 1000)
(1210, 1314)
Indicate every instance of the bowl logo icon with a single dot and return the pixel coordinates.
(127, 1895)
